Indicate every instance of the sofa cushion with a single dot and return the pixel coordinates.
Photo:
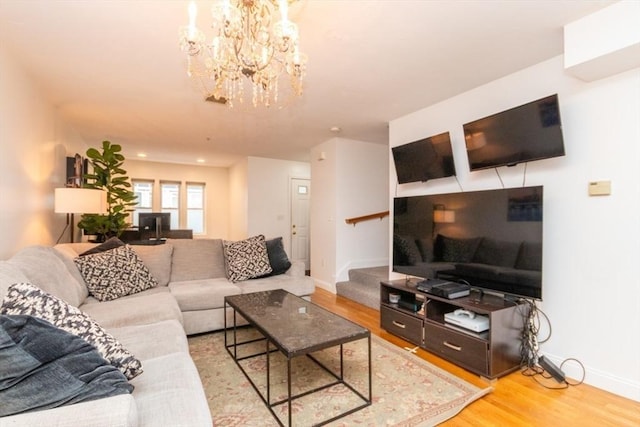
(45, 269)
(153, 340)
(157, 258)
(202, 294)
(115, 273)
(451, 249)
(425, 246)
(278, 258)
(499, 275)
(195, 259)
(405, 250)
(246, 259)
(73, 250)
(9, 275)
(530, 257)
(72, 268)
(26, 299)
(153, 305)
(115, 411)
(157, 290)
(46, 367)
(496, 252)
(296, 285)
(171, 393)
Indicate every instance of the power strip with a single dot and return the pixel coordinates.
(552, 369)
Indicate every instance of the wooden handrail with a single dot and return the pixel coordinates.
(358, 219)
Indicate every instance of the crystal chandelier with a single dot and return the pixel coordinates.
(247, 48)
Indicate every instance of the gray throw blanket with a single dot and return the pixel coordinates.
(42, 367)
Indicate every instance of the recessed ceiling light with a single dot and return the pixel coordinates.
(200, 160)
(335, 129)
(143, 155)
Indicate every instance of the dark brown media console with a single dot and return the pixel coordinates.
(492, 353)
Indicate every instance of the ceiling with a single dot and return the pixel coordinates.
(113, 69)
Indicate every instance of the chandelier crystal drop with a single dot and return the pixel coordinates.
(247, 48)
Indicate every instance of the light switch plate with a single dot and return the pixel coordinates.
(600, 188)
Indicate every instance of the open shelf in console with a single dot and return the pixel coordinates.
(491, 353)
(411, 302)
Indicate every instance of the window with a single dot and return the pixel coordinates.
(144, 194)
(195, 207)
(170, 202)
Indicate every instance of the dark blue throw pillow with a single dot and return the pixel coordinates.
(277, 256)
(112, 243)
(43, 367)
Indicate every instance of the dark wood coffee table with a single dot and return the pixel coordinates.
(295, 327)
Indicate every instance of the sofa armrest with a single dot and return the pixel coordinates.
(296, 269)
(116, 411)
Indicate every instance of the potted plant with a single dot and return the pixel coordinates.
(108, 175)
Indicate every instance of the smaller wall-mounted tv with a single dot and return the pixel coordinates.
(426, 159)
(532, 131)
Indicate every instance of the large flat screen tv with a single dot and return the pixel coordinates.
(426, 159)
(490, 239)
(532, 131)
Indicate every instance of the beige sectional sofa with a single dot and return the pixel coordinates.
(152, 324)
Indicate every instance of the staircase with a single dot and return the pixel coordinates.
(363, 285)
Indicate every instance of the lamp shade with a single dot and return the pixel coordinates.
(444, 216)
(80, 200)
(475, 140)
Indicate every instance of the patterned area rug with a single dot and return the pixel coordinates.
(407, 391)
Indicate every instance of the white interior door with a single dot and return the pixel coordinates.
(300, 202)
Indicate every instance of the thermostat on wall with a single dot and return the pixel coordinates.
(600, 188)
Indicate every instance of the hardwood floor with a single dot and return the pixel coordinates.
(517, 400)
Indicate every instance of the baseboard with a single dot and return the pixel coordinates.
(330, 287)
(600, 379)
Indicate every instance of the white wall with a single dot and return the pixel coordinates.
(362, 175)
(323, 234)
(269, 201)
(238, 200)
(33, 146)
(351, 181)
(591, 290)
(216, 182)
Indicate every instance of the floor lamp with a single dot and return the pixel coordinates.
(72, 200)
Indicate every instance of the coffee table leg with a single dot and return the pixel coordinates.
(341, 365)
(289, 387)
(370, 385)
(268, 374)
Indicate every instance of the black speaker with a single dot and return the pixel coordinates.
(410, 305)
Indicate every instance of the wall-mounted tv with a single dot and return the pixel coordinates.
(426, 159)
(532, 131)
(490, 239)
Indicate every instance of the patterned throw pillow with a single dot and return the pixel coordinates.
(27, 299)
(246, 259)
(115, 273)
